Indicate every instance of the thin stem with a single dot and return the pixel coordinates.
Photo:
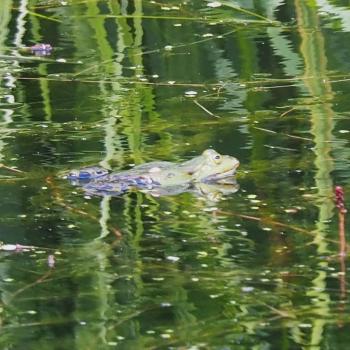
(205, 109)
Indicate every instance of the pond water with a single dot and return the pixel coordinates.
(129, 82)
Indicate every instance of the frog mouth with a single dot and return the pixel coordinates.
(221, 176)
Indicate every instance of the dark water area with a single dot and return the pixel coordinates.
(129, 82)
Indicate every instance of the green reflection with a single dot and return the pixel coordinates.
(254, 270)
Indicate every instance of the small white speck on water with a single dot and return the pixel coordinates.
(344, 131)
(191, 93)
(247, 289)
(207, 35)
(165, 304)
(83, 323)
(158, 279)
(177, 25)
(155, 76)
(204, 265)
(168, 47)
(171, 82)
(71, 226)
(151, 331)
(305, 325)
(214, 296)
(43, 187)
(210, 209)
(8, 279)
(167, 212)
(119, 337)
(291, 210)
(251, 196)
(202, 254)
(61, 60)
(32, 312)
(214, 4)
(267, 229)
(112, 343)
(22, 216)
(165, 336)
(194, 279)
(173, 258)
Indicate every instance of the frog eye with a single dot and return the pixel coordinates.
(217, 158)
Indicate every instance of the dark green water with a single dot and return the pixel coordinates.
(269, 83)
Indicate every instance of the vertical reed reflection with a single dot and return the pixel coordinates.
(319, 104)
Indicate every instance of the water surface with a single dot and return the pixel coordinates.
(135, 81)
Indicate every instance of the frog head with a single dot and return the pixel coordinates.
(211, 166)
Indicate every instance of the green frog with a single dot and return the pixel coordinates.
(209, 167)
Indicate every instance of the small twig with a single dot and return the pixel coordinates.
(205, 109)
(286, 112)
(281, 148)
(11, 169)
(37, 281)
(287, 135)
(281, 313)
(265, 220)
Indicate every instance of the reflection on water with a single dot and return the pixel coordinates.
(197, 267)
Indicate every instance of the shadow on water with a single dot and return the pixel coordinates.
(204, 267)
